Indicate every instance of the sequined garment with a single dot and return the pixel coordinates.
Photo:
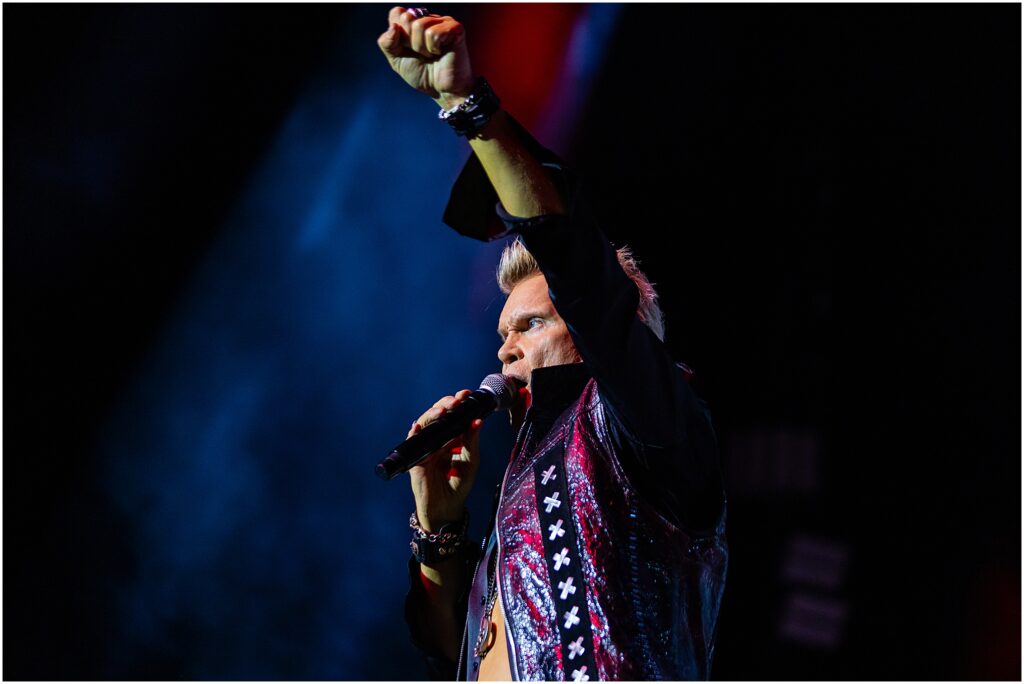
(651, 591)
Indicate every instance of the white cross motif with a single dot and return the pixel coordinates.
(561, 558)
(580, 675)
(556, 530)
(552, 502)
(576, 649)
(571, 619)
(567, 588)
(549, 474)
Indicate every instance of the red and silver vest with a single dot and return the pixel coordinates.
(596, 583)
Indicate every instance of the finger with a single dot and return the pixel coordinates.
(400, 16)
(442, 37)
(413, 13)
(390, 42)
(395, 14)
(452, 401)
(459, 397)
(431, 415)
(440, 407)
(443, 401)
(417, 41)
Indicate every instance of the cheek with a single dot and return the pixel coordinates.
(555, 350)
(539, 355)
(562, 350)
(569, 351)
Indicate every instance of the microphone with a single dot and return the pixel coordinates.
(497, 393)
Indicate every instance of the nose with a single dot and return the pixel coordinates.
(510, 352)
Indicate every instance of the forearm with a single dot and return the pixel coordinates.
(523, 186)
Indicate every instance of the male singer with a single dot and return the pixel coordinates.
(607, 554)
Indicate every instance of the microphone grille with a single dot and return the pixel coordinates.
(504, 387)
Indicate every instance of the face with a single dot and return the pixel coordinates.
(533, 334)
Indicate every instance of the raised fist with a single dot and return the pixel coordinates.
(429, 53)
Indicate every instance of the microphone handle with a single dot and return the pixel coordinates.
(414, 450)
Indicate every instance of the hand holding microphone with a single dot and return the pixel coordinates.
(441, 452)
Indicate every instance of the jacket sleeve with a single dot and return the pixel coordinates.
(439, 667)
(673, 447)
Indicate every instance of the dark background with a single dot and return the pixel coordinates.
(828, 198)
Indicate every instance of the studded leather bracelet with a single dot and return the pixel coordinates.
(468, 118)
(433, 547)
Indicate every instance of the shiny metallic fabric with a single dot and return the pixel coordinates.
(652, 591)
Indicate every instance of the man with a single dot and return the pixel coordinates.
(607, 556)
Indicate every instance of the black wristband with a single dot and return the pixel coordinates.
(469, 117)
(447, 542)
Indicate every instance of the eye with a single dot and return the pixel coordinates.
(536, 322)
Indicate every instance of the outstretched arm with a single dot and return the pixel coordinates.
(634, 370)
(430, 54)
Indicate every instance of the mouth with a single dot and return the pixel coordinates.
(525, 382)
(523, 390)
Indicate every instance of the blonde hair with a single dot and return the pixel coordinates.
(517, 264)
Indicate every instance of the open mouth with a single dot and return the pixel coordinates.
(523, 381)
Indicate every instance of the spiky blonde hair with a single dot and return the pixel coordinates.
(517, 264)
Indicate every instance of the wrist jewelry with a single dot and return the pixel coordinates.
(429, 548)
(469, 117)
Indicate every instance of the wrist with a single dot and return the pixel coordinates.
(432, 524)
(469, 112)
(431, 548)
(450, 100)
(457, 93)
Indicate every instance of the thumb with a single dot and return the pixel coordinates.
(390, 42)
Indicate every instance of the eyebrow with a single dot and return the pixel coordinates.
(523, 314)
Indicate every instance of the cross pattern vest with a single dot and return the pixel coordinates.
(595, 582)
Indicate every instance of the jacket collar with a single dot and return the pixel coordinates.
(555, 388)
